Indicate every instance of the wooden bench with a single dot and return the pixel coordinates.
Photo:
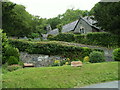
(76, 63)
(28, 65)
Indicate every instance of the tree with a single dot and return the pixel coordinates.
(54, 22)
(59, 26)
(107, 15)
(39, 24)
(16, 20)
(69, 16)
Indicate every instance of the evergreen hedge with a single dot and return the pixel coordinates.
(68, 37)
(98, 38)
(51, 48)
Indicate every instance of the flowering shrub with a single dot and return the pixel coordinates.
(66, 63)
(86, 59)
(56, 61)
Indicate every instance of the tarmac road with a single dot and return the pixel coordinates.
(113, 84)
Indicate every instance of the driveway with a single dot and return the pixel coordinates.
(113, 84)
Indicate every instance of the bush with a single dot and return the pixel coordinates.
(50, 37)
(12, 60)
(7, 49)
(56, 63)
(63, 37)
(96, 57)
(13, 67)
(86, 59)
(11, 51)
(116, 54)
(30, 39)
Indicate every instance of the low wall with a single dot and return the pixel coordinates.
(38, 60)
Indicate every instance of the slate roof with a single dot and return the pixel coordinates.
(71, 26)
(54, 31)
(90, 21)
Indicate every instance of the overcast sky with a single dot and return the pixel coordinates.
(51, 8)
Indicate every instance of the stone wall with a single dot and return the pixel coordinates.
(39, 60)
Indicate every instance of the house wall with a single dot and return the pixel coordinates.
(86, 27)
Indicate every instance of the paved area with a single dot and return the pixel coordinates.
(113, 84)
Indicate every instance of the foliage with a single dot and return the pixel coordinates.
(35, 35)
(39, 24)
(69, 16)
(8, 50)
(116, 54)
(50, 37)
(63, 37)
(108, 17)
(59, 26)
(16, 20)
(54, 22)
(19, 23)
(56, 63)
(13, 68)
(86, 59)
(12, 60)
(61, 77)
(98, 38)
(51, 48)
(80, 38)
(96, 57)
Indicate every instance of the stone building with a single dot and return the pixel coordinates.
(83, 25)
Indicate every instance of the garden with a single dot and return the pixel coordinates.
(60, 73)
(81, 58)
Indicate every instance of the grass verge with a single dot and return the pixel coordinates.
(61, 77)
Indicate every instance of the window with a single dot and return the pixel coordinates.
(82, 30)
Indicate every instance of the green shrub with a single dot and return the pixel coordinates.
(50, 37)
(96, 57)
(30, 39)
(116, 54)
(56, 63)
(8, 51)
(86, 59)
(11, 51)
(13, 67)
(12, 60)
(62, 62)
(64, 37)
(20, 63)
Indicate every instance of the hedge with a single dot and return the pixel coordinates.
(62, 37)
(98, 38)
(51, 48)
(116, 54)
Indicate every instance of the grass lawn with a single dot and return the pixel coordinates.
(61, 77)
